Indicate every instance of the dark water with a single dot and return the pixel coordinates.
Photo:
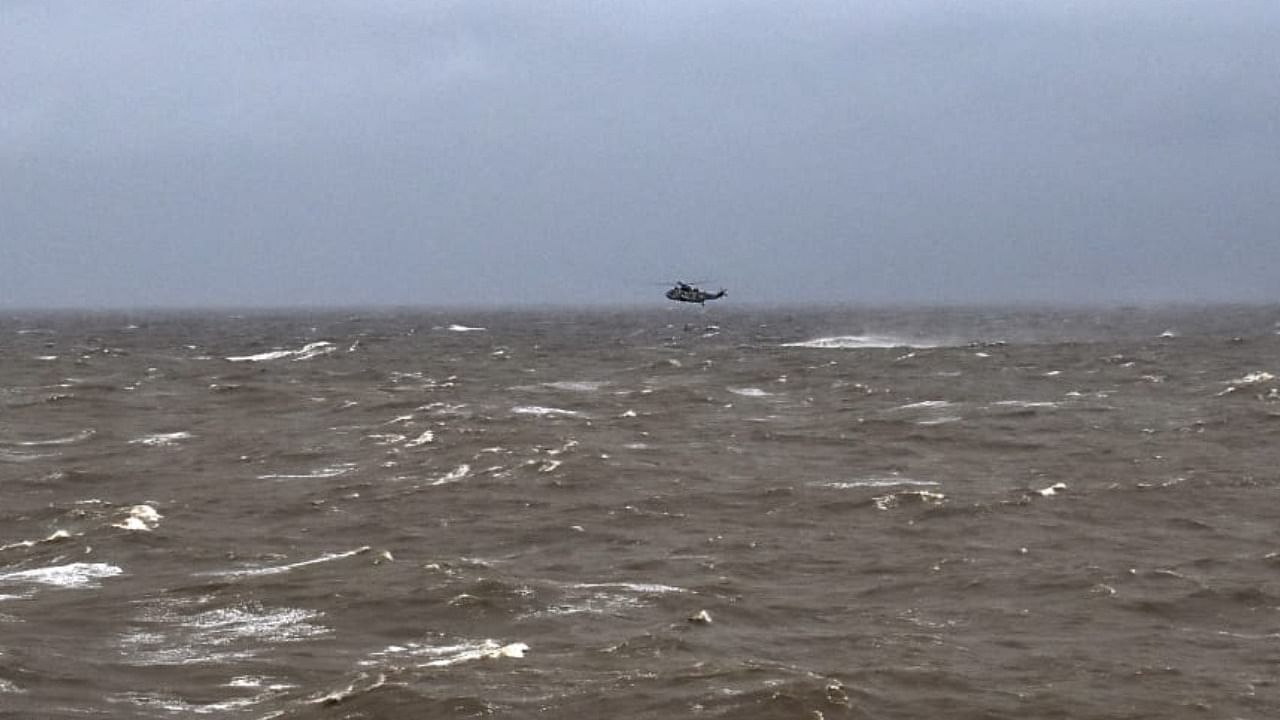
(1021, 515)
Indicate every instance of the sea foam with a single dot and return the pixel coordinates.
(181, 632)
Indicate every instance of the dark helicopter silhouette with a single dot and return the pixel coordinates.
(684, 292)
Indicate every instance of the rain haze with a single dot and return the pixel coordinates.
(323, 153)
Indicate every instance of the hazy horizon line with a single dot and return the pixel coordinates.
(606, 307)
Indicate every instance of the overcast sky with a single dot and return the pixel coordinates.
(380, 152)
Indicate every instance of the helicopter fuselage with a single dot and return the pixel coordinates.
(689, 294)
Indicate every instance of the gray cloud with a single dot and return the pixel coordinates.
(250, 153)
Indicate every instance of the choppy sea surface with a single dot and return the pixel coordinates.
(683, 513)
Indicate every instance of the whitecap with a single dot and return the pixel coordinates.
(79, 575)
(453, 475)
(142, 518)
(541, 411)
(607, 597)
(220, 625)
(445, 409)
(306, 352)
(750, 392)
(1260, 377)
(387, 438)
(923, 497)
(422, 439)
(1052, 490)
(1029, 404)
(278, 569)
(325, 472)
(56, 536)
(315, 349)
(175, 633)
(179, 706)
(856, 342)
(1254, 378)
(566, 447)
(877, 482)
(66, 440)
(353, 689)
(10, 456)
(463, 328)
(596, 602)
(255, 681)
(647, 588)
(445, 655)
(262, 357)
(940, 420)
(924, 405)
(161, 439)
(576, 385)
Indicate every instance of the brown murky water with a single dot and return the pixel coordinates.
(720, 513)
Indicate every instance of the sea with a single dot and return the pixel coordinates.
(720, 512)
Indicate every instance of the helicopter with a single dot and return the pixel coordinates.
(684, 292)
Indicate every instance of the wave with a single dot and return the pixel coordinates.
(178, 706)
(8, 456)
(306, 352)
(78, 575)
(453, 475)
(876, 482)
(429, 655)
(278, 569)
(188, 632)
(925, 405)
(426, 437)
(65, 440)
(140, 518)
(541, 411)
(325, 472)
(1027, 404)
(161, 439)
(647, 588)
(576, 385)
(909, 497)
(56, 536)
(858, 342)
